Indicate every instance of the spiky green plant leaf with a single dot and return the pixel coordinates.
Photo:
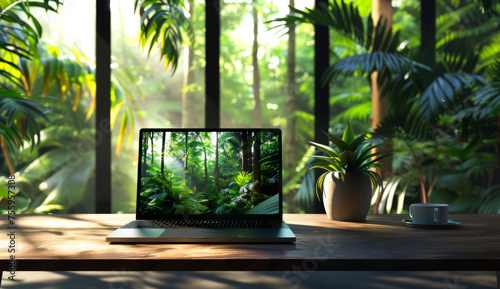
(352, 156)
(328, 150)
(348, 136)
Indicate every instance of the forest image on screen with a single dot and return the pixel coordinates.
(209, 172)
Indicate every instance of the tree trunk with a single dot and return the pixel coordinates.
(245, 166)
(186, 158)
(216, 162)
(193, 161)
(380, 9)
(257, 113)
(163, 156)
(249, 152)
(188, 97)
(256, 164)
(144, 164)
(290, 107)
(152, 147)
(205, 163)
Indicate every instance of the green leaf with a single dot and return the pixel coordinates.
(366, 157)
(47, 209)
(348, 159)
(386, 63)
(442, 196)
(13, 106)
(338, 142)
(373, 162)
(70, 182)
(367, 148)
(353, 146)
(335, 162)
(163, 24)
(348, 136)
(443, 91)
(319, 183)
(328, 150)
(269, 206)
(464, 203)
(375, 179)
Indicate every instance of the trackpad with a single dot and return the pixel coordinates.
(199, 233)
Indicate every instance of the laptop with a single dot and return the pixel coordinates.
(208, 186)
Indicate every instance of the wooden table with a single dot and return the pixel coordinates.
(383, 243)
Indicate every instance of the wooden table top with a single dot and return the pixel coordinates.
(77, 243)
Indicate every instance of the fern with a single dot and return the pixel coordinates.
(243, 178)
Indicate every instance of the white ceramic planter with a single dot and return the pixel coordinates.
(349, 201)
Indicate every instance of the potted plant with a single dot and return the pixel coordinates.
(347, 182)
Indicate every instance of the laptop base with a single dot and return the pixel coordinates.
(130, 233)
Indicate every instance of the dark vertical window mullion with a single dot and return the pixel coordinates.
(428, 31)
(321, 92)
(103, 106)
(212, 70)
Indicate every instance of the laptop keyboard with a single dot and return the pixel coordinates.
(212, 224)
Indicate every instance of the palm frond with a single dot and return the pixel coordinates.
(164, 23)
(20, 32)
(472, 23)
(14, 105)
(402, 89)
(486, 101)
(70, 182)
(387, 64)
(383, 39)
(342, 17)
(404, 124)
(490, 201)
(459, 54)
(442, 93)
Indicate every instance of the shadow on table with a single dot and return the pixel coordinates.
(261, 280)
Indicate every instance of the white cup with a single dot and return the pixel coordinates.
(429, 214)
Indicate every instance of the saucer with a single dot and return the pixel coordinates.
(450, 224)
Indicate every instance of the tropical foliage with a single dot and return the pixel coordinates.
(19, 37)
(443, 100)
(165, 24)
(434, 117)
(50, 86)
(208, 172)
(350, 155)
(44, 85)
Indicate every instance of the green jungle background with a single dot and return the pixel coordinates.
(47, 96)
(210, 173)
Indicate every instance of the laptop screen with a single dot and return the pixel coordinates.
(209, 174)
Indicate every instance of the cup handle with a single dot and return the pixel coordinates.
(410, 212)
(437, 215)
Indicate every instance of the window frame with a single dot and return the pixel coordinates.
(212, 86)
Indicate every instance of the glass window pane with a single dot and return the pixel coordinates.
(254, 81)
(57, 175)
(145, 93)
